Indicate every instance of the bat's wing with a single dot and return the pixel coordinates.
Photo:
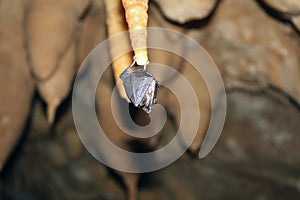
(125, 77)
(137, 84)
(125, 73)
(141, 81)
(128, 85)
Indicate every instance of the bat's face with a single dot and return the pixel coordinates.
(141, 88)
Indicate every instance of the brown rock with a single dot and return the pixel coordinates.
(285, 6)
(296, 22)
(72, 144)
(52, 59)
(93, 29)
(15, 81)
(185, 11)
(254, 51)
(39, 123)
(56, 154)
(81, 175)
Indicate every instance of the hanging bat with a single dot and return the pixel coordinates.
(140, 86)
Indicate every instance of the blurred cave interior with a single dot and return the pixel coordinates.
(255, 45)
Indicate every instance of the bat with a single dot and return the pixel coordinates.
(140, 86)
